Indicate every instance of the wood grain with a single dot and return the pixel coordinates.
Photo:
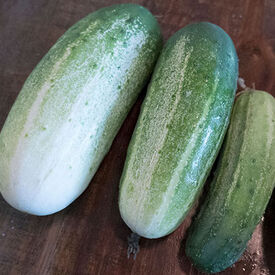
(89, 236)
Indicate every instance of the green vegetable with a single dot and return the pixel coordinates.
(73, 104)
(242, 186)
(180, 129)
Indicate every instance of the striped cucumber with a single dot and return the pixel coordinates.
(242, 186)
(73, 104)
(180, 129)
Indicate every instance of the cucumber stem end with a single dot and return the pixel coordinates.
(133, 245)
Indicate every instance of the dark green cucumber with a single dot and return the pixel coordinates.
(241, 188)
(180, 129)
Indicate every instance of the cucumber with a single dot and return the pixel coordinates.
(241, 188)
(180, 129)
(73, 104)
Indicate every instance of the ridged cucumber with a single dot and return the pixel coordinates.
(180, 129)
(241, 188)
(73, 104)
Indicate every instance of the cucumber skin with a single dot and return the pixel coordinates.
(180, 129)
(231, 211)
(72, 106)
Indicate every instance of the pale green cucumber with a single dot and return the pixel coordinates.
(73, 104)
(242, 186)
(180, 129)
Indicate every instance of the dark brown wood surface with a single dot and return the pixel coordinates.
(89, 237)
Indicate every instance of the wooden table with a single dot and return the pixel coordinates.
(89, 237)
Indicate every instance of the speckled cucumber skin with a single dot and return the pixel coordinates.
(242, 186)
(73, 104)
(180, 129)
